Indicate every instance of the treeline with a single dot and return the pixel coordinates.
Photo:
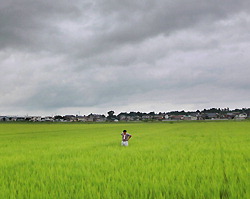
(212, 110)
(212, 113)
(204, 111)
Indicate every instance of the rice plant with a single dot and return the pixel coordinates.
(208, 160)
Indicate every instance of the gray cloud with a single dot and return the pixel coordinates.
(59, 56)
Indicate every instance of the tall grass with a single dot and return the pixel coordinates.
(163, 160)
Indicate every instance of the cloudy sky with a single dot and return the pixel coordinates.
(92, 56)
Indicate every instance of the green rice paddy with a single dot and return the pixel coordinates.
(196, 160)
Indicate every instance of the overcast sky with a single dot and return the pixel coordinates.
(92, 56)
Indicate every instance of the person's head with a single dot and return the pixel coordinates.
(124, 131)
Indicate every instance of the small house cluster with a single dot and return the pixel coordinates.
(176, 117)
(58, 118)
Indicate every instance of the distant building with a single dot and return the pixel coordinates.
(240, 116)
(177, 117)
(211, 115)
(231, 115)
(190, 117)
(35, 118)
(69, 118)
(3, 118)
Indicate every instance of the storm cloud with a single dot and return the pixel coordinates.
(70, 57)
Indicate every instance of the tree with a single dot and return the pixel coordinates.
(111, 116)
(111, 113)
(132, 114)
(152, 113)
(58, 117)
(139, 114)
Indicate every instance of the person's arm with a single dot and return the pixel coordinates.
(129, 137)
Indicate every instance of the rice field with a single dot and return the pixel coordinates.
(180, 160)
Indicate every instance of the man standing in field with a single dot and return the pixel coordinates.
(125, 138)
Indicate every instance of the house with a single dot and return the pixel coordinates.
(190, 117)
(81, 118)
(241, 116)
(122, 116)
(69, 118)
(211, 116)
(146, 117)
(20, 119)
(99, 118)
(231, 115)
(90, 118)
(3, 118)
(95, 118)
(159, 116)
(166, 117)
(35, 118)
(48, 119)
(177, 117)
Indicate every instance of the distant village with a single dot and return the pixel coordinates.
(206, 114)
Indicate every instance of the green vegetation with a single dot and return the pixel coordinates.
(196, 160)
